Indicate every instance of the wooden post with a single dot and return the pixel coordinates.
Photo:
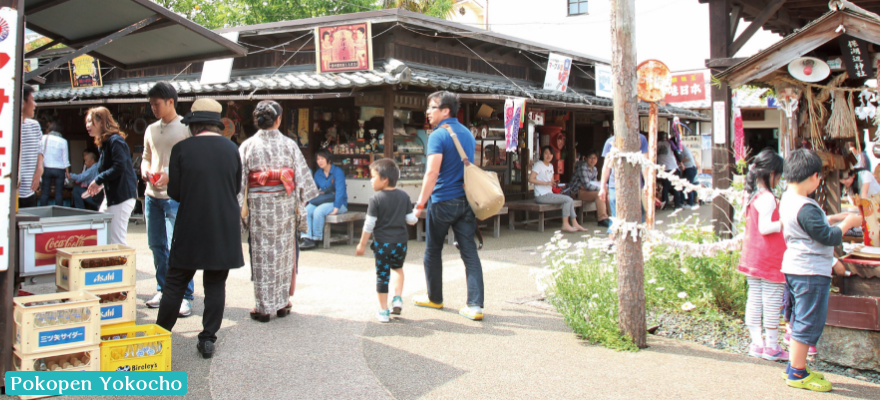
(388, 102)
(571, 151)
(630, 262)
(651, 179)
(722, 157)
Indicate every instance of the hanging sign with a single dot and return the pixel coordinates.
(856, 57)
(719, 122)
(687, 87)
(558, 71)
(218, 71)
(85, 71)
(8, 52)
(344, 48)
(603, 81)
(655, 81)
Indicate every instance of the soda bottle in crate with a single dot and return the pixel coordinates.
(57, 321)
(95, 267)
(136, 348)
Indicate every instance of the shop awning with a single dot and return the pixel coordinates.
(127, 34)
(288, 84)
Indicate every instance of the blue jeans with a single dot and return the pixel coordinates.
(691, 175)
(160, 215)
(315, 216)
(809, 306)
(50, 176)
(458, 214)
(79, 202)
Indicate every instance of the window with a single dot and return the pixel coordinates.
(577, 7)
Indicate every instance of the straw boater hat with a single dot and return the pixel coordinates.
(204, 111)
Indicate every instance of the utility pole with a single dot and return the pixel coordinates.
(630, 264)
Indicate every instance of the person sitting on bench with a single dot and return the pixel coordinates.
(542, 178)
(585, 186)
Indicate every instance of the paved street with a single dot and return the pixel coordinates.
(332, 348)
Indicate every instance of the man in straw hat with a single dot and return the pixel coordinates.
(204, 176)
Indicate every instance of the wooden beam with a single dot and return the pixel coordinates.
(388, 100)
(735, 17)
(756, 24)
(723, 63)
(121, 33)
(45, 6)
(783, 19)
(722, 172)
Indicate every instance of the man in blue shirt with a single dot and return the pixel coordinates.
(607, 184)
(443, 204)
(82, 181)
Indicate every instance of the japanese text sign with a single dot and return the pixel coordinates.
(344, 48)
(687, 87)
(603, 81)
(85, 71)
(62, 336)
(8, 52)
(856, 57)
(558, 71)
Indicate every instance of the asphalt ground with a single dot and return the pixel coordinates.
(331, 346)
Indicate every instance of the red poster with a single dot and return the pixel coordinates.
(687, 87)
(344, 48)
(46, 244)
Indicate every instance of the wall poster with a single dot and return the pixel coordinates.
(344, 48)
(85, 71)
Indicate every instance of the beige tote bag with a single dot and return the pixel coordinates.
(482, 188)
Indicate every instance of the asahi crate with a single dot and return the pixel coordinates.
(136, 348)
(72, 321)
(95, 267)
(118, 305)
(86, 358)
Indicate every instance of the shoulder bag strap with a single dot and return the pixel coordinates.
(464, 157)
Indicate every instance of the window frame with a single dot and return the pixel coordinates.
(579, 3)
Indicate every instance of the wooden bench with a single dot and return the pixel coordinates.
(496, 227)
(532, 206)
(348, 218)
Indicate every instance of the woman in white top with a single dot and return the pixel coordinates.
(864, 192)
(542, 178)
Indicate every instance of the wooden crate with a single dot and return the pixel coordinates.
(854, 312)
(30, 338)
(30, 362)
(121, 313)
(132, 339)
(70, 274)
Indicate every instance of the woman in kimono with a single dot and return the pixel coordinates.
(275, 181)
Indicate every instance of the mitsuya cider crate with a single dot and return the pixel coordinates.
(136, 348)
(118, 305)
(95, 267)
(57, 321)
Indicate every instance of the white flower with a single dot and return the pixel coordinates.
(595, 295)
(652, 281)
(540, 247)
(533, 253)
(684, 270)
(682, 295)
(557, 232)
(661, 288)
(658, 222)
(688, 306)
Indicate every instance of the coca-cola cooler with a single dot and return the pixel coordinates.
(43, 230)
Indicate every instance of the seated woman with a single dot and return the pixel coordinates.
(585, 186)
(332, 200)
(864, 192)
(544, 181)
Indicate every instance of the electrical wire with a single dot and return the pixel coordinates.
(496, 70)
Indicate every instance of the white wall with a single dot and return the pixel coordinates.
(675, 32)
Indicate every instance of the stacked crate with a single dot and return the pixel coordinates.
(106, 271)
(57, 332)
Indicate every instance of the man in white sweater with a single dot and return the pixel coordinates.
(160, 210)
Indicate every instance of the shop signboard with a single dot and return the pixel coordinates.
(856, 57)
(687, 87)
(85, 71)
(558, 71)
(344, 48)
(302, 127)
(8, 29)
(603, 81)
(47, 244)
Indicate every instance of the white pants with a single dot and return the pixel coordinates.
(119, 224)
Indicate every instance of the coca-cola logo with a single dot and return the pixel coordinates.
(73, 241)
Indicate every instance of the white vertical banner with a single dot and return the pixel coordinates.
(603, 81)
(719, 122)
(8, 29)
(558, 70)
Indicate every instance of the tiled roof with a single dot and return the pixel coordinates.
(391, 72)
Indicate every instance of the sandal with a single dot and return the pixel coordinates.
(259, 316)
(285, 311)
(811, 382)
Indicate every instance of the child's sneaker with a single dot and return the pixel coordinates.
(812, 351)
(396, 305)
(383, 316)
(472, 312)
(811, 382)
(774, 353)
(422, 300)
(756, 350)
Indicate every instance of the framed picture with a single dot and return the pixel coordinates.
(85, 71)
(344, 48)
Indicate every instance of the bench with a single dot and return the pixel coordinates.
(496, 227)
(532, 206)
(348, 218)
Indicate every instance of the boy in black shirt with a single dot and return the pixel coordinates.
(387, 215)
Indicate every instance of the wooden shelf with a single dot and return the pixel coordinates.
(492, 138)
(355, 155)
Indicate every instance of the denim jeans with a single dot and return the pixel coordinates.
(79, 202)
(316, 215)
(160, 215)
(50, 176)
(458, 214)
(691, 175)
(809, 295)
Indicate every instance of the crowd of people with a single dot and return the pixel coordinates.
(203, 191)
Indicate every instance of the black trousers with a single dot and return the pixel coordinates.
(176, 281)
(27, 202)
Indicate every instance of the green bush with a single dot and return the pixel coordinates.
(580, 280)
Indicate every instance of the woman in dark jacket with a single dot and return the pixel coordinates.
(205, 178)
(115, 172)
